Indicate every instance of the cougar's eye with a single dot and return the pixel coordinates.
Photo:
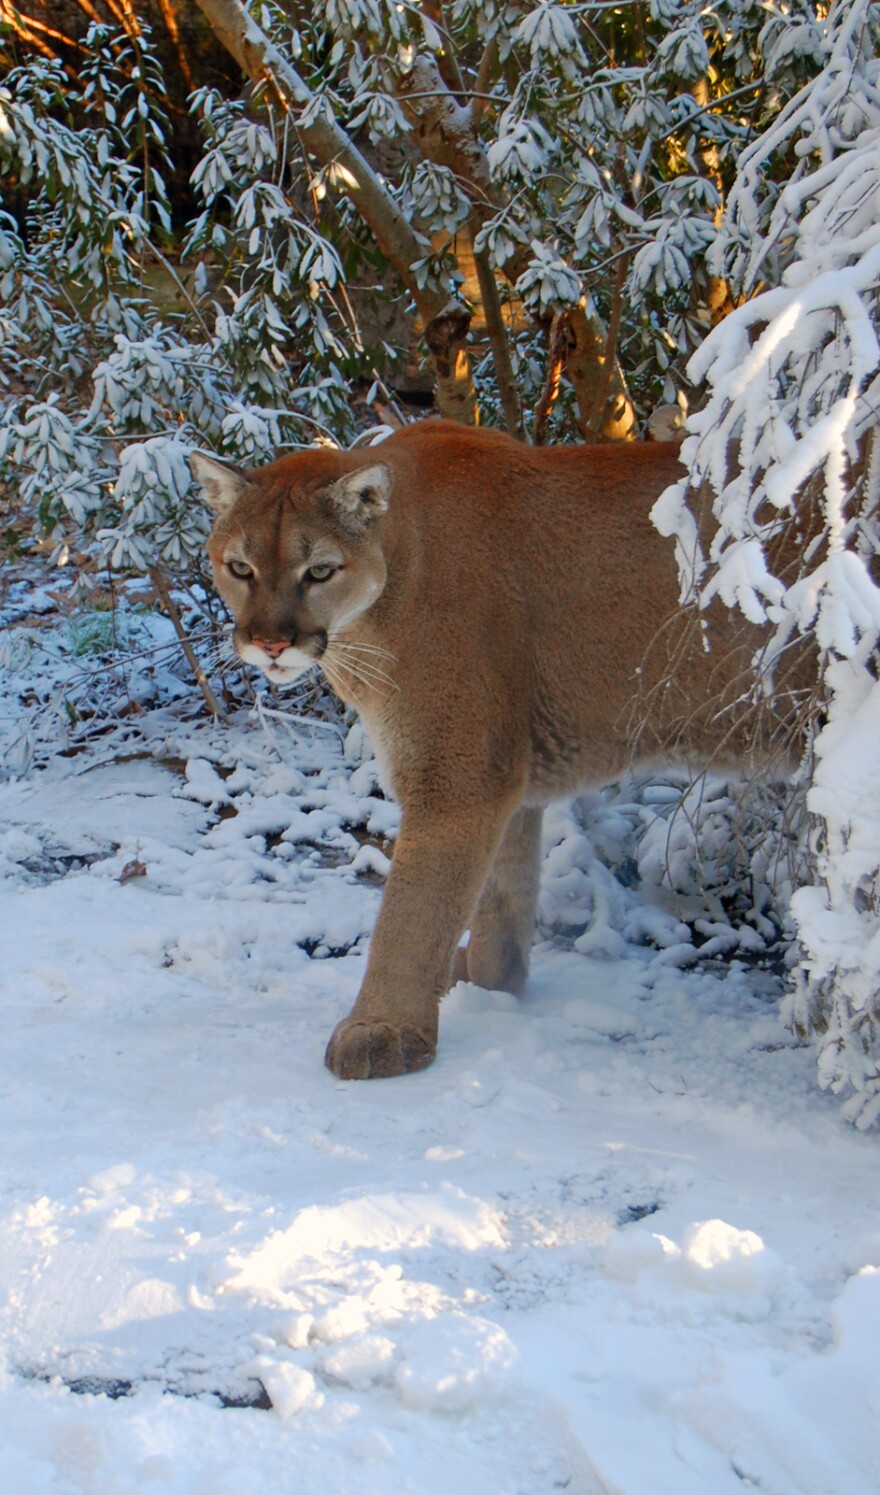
(320, 573)
(241, 569)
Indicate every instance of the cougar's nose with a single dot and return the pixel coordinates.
(272, 649)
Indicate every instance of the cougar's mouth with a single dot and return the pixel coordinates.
(289, 664)
(281, 674)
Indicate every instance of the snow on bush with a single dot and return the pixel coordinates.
(788, 428)
(93, 364)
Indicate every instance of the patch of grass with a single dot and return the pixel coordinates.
(91, 632)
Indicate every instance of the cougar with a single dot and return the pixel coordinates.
(505, 620)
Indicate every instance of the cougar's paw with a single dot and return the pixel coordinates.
(373, 1051)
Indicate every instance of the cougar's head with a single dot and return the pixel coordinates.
(296, 552)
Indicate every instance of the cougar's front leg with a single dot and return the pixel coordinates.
(437, 872)
(503, 926)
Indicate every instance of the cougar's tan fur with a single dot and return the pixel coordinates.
(504, 620)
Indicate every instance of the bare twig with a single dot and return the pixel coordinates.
(163, 591)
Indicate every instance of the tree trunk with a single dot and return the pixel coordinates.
(605, 411)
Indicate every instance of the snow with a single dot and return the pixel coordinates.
(614, 1240)
(792, 394)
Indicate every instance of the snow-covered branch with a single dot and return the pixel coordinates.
(789, 419)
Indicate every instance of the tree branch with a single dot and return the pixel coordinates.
(448, 61)
(446, 134)
(479, 97)
(507, 385)
(597, 419)
(328, 142)
(556, 355)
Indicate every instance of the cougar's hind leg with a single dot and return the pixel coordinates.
(502, 928)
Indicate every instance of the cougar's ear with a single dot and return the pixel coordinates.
(220, 482)
(362, 495)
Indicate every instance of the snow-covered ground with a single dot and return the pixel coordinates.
(614, 1240)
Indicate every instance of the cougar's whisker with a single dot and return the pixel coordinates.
(359, 669)
(371, 677)
(336, 674)
(354, 663)
(360, 645)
